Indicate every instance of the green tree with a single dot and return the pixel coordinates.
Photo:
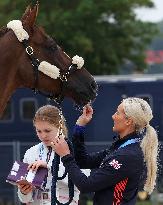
(105, 33)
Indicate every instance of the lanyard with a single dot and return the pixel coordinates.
(132, 141)
(41, 156)
(48, 154)
(41, 153)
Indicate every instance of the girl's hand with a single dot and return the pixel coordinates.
(25, 189)
(60, 146)
(34, 166)
(86, 115)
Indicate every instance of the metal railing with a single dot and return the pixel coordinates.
(9, 152)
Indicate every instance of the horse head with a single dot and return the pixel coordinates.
(68, 76)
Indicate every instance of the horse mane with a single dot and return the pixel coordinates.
(3, 30)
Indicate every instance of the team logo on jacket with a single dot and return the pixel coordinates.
(114, 163)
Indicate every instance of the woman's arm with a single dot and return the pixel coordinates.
(83, 159)
(115, 170)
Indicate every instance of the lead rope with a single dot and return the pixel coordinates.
(55, 169)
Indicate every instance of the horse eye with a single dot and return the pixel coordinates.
(51, 45)
(52, 48)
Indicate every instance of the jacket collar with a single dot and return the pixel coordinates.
(119, 141)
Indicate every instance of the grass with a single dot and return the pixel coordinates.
(138, 203)
(89, 203)
(144, 203)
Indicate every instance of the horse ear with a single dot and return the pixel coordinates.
(30, 15)
(26, 13)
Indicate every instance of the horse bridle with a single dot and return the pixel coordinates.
(63, 76)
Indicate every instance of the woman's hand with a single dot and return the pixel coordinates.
(86, 115)
(60, 146)
(34, 166)
(25, 188)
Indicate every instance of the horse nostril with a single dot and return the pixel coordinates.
(94, 86)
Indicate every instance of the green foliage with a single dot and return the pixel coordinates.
(104, 32)
(160, 27)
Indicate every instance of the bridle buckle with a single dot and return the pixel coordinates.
(29, 50)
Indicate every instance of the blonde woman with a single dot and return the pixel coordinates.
(119, 169)
(46, 122)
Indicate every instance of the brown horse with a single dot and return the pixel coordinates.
(16, 69)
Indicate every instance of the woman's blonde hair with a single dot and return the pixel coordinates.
(141, 113)
(51, 115)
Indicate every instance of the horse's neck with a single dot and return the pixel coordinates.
(7, 87)
(8, 72)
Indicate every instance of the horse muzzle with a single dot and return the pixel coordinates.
(88, 95)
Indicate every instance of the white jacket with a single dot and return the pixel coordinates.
(62, 191)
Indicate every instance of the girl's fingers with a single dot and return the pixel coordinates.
(37, 166)
(33, 166)
(25, 188)
(29, 167)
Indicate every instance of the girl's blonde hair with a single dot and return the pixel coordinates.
(141, 113)
(51, 115)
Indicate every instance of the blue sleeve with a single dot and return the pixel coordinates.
(83, 159)
(78, 130)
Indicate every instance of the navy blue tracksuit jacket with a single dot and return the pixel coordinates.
(116, 171)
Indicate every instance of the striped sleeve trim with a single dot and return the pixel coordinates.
(118, 191)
